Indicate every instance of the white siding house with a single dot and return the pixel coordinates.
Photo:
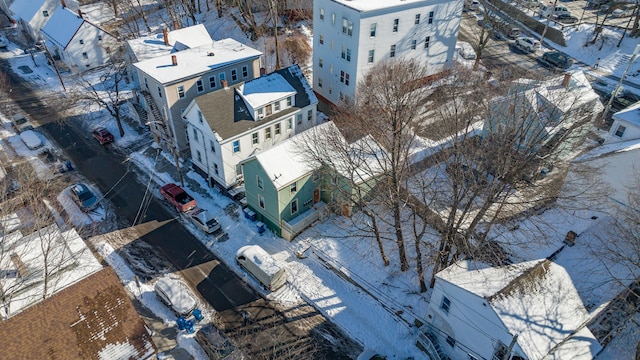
(231, 124)
(76, 42)
(350, 36)
(32, 15)
(626, 125)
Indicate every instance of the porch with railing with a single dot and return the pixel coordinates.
(295, 226)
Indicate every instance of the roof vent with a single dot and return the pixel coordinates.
(210, 54)
(570, 238)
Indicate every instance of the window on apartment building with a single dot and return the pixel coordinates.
(254, 138)
(427, 40)
(299, 119)
(199, 155)
(346, 79)
(268, 109)
(261, 201)
(159, 91)
(81, 42)
(451, 341)
(236, 146)
(200, 117)
(343, 54)
(319, 82)
(396, 22)
(289, 123)
(372, 30)
(45, 13)
(294, 206)
(276, 106)
(260, 113)
(341, 96)
(222, 76)
(234, 75)
(309, 115)
(430, 17)
(260, 182)
(620, 131)
(330, 89)
(321, 14)
(99, 37)
(267, 133)
(370, 58)
(146, 83)
(446, 304)
(277, 129)
(342, 76)
(85, 56)
(348, 54)
(393, 51)
(417, 19)
(289, 101)
(195, 135)
(180, 91)
(333, 19)
(413, 44)
(200, 86)
(293, 188)
(213, 147)
(245, 71)
(321, 39)
(215, 168)
(347, 27)
(212, 82)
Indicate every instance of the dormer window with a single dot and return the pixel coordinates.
(260, 113)
(289, 101)
(276, 106)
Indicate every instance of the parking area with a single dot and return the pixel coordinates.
(587, 14)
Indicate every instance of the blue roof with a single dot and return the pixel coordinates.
(62, 27)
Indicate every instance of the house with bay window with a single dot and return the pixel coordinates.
(169, 82)
(351, 36)
(229, 125)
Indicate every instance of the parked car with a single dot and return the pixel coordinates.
(203, 220)
(178, 197)
(556, 59)
(566, 19)
(624, 11)
(102, 135)
(550, 10)
(175, 295)
(20, 123)
(84, 197)
(262, 266)
(32, 140)
(466, 50)
(622, 100)
(527, 43)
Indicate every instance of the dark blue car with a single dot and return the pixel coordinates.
(83, 196)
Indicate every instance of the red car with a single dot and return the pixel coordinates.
(102, 135)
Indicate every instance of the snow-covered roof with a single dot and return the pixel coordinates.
(62, 26)
(192, 62)
(369, 5)
(151, 46)
(536, 300)
(630, 114)
(261, 258)
(26, 9)
(265, 90)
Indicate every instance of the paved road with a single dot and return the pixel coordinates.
(157, 227)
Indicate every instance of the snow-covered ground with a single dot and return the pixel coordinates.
(379, 313)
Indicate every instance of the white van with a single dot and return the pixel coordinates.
(550, 10)
(262, 266)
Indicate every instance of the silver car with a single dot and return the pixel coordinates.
(175, 295)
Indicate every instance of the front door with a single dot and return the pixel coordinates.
(316, 195)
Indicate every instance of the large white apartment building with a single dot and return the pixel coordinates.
(350, 36)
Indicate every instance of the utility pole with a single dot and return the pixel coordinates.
(274, 13)
(507, 353)
(546, 25)
(615, 91)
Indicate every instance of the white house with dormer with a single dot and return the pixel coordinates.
(169, 82)
(626, 125)
(229, 125)
(351, 36)
(77, 43)
(32, 15)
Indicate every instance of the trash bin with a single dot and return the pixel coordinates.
(260, 227)
(189, 326)
(249, 214)
(197, 314)
(181, 322)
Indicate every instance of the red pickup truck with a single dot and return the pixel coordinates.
(178, 197)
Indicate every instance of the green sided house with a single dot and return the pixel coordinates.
(289, 190)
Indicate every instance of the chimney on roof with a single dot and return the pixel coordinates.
(176, 25)
(566, 80)
(263, 71)
(570, 238)
(174, 60)
(80, 13)
(165, 35)
(224, 84)
(63, 3)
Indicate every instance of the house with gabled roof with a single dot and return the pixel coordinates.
(233, 123)
(169, 82)
(32, 15)
(76, 43)
(626, 125)
(150, 46)
(91, 319)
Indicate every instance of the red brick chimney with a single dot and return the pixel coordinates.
(63, 3)
(566, 80)
(165, 35)
(174, 60)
